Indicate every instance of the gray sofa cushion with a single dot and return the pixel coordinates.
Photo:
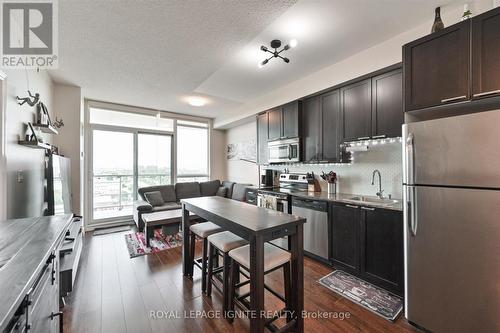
(167, 206)
(167, 192)
(229, 185)
(209, 188)
(222, 192)
(187, 190)
(239, 192)
(154, 198)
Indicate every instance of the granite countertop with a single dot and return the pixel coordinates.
(25, 245)
(344, 198)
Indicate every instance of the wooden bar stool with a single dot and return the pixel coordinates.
(274, 258)
(201, 230)
(223, 242)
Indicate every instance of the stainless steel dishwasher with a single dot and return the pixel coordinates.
(316, 226)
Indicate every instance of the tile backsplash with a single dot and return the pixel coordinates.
(355, 178)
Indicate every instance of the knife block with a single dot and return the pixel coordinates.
(314, 187)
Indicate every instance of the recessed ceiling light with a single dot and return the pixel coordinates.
(293, 43)
(196, 101)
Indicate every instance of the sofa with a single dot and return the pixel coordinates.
(172, 195)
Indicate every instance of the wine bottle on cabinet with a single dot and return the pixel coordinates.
(438, 23)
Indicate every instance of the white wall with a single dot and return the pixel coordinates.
(242, 171)
(379, 56)
(67, 106)
(25, 199)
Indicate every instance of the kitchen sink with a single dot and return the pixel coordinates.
(373, 201)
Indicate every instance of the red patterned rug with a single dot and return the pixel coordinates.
(136, 243)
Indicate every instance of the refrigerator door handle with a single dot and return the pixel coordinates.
(411, 211)
(409, 152)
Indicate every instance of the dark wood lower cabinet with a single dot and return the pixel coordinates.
(368, 242)
(381, 242)
(345, 236)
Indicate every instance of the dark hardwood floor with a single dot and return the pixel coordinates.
(114, 293)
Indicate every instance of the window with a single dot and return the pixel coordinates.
(132, 149)
(192, 153)
(130, 119)
(154, 159)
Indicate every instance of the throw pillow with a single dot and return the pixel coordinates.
(221, 192)
(154, 198)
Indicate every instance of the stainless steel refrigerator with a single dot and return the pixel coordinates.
(452, 223)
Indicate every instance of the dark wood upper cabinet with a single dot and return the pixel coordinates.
(436, 68)
(486, 54)
(331, 126)
(275, 124)
(345, 236)
(311, 129)
(387, 104)
(356, 110)
(290, 116)
(382, 248)
(262, 135)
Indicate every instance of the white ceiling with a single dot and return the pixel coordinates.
(156, 53)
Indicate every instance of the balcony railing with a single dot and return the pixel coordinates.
(114, 194)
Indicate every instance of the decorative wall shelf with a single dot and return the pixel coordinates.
(45, 128)
(35, 144)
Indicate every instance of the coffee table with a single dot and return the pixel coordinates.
(171, 218)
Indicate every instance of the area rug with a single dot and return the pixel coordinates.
(136, 243)
(105, 231)
(373, 298)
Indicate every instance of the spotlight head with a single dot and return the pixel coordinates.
(263, 48)
(286, 60)
(263, 63)
(286, 47)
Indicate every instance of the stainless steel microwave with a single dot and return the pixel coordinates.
(283, 151)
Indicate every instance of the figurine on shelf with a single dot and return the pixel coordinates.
(32, 137)
(58, 123)
(28, 100)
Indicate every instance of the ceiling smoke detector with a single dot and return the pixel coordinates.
(276, 44)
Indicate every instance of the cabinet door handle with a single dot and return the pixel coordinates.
(379, 136)
(487, 93)
(451, 99)
(367, 208)
(352, 206)
(364, 138)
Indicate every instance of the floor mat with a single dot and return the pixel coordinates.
(136, 243)
(373, 298)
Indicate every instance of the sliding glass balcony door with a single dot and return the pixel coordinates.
(122, 161)
(113, 174)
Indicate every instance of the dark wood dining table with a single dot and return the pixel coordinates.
(257, 225)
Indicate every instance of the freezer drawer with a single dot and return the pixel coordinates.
(452, 261)
(456, 151)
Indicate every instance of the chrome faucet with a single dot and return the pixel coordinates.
(380, 190)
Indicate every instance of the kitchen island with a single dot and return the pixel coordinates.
(29, 272)
(256, 225)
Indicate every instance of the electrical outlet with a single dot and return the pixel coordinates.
(20, 176)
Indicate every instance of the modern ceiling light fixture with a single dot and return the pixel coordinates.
(196, 101)
(276, 44)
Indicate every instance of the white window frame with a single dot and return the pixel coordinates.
(208, 128)
(88, 163)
